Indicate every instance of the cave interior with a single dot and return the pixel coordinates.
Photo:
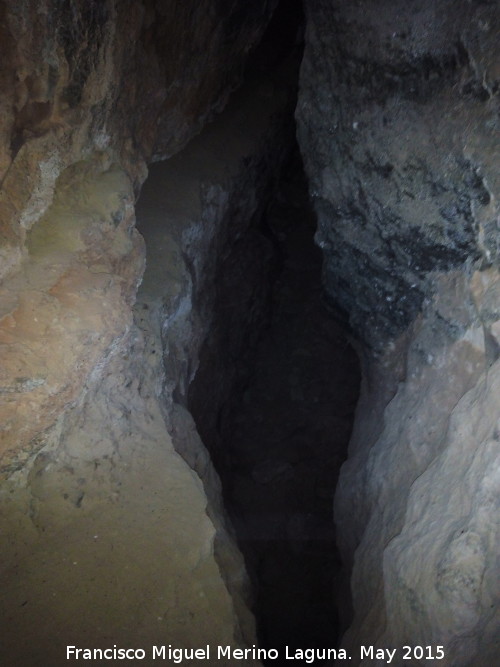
(249, 332)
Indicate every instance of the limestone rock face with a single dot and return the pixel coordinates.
(416, 502)
(106, 532)
(106, 537)
(88, 90)
(68, 305)
(398, 126)
(398, 122)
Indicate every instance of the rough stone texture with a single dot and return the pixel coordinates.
(106, 539)
(398, 124)
(398, 119)
(278, 440)
(202, 65)
(69, 304)
(85, 87)
(126, 541)
(417, 502)
(107, 535)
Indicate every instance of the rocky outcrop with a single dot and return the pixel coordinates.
(398, 122)
(398, 126)
(106, 538)
(415, 505)
(399, 133)
(106, 533)
(69, 304)
(88, 91)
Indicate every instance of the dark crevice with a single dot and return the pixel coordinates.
(277, 382)
(280, 434)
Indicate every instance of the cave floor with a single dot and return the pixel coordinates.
(287, 438)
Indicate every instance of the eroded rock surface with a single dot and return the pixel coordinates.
(398, 124)
(107, 535)
(399, 128)
(68, 305)
(88, 91)
(108, 527)
(416, 502)
(106, 539)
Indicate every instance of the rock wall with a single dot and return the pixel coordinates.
(88, 91)
(106, 533)
(197, 213)
(399, 128)
(106, 538)
(398, 125)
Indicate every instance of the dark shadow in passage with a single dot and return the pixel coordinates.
(281, 434)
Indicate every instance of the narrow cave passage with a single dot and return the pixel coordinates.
(163, 402)
(251, 348)
(282, 434)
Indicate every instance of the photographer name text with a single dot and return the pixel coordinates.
(308, 655)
